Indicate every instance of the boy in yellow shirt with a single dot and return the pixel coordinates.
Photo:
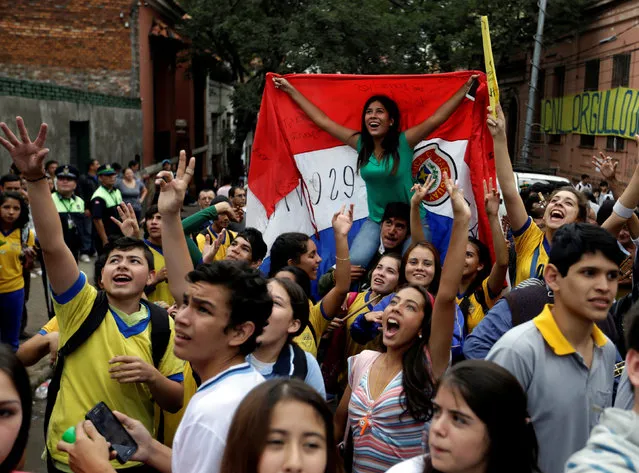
(115, 363)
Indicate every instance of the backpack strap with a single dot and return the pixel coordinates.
(160, 332)
(300, 365)
(90, 325)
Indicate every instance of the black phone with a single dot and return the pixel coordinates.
(113, 431)
(472, 91)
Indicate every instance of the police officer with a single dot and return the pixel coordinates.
(69, 206)
(104, 203)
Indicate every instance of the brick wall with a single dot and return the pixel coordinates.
(83, 44)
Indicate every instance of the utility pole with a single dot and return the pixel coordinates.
(524, 158)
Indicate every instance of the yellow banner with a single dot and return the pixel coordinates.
(612, 112)
(491, 73)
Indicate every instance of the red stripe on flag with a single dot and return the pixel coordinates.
(284, 130)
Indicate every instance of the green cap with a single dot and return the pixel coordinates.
(69, 435)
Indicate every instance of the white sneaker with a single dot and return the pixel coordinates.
(85, 258)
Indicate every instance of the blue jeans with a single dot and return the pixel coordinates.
(367, 242)
(11, 305)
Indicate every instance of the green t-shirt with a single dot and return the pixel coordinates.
(383, 188)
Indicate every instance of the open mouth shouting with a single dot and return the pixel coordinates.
(121, 279)
(391, 327)
(557, 215)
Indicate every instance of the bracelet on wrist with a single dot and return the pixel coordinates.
(343, 259)
(622, 210)
(44, 176)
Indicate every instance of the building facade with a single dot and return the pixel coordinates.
(106, 75)
(588, 95)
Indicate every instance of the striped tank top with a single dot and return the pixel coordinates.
(382, 434)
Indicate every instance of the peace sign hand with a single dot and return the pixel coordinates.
(28, 156)
(421, 190)
(173, 189)
(491, 198)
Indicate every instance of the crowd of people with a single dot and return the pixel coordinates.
(507, 357)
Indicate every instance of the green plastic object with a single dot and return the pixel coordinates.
(69, 435)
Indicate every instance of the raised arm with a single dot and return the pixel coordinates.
(420, 191)
(500, 268)
(420, 132)
(172, 191)
(340, 132)
(514, 205)
(28, 157)
(342, 223)
(444, 310)
(629, 198)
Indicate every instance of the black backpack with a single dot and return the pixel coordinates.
(160, 334)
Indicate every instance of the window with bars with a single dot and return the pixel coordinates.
(615, 143)
(621, 70)
(587, 141)
(558, 84)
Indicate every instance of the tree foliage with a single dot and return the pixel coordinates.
(239, 41)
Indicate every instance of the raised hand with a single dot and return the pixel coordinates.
(224, 208)
(343, 221)
(607, 166)
(211, 249)
(460, 206)
(470, 80)
(421, 190)
(173, 189)
(28, 156)
(128, 223)
(491, 198)
(283, 84)
(496, 126)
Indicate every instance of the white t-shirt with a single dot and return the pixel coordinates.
(200, 439)
(414, 465)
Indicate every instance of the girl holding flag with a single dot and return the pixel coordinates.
(385, 154)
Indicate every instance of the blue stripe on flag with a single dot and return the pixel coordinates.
(440, 229)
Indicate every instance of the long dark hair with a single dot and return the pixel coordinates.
(483, 254)
(13, 368)
(301, 278)
(251, 423)
(433, 287)
(390, 143)
(496, 397)
(299, 303)
(290, 245)
(417, 382)
(23, 219)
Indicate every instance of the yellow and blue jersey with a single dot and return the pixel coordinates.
(10, 265)
(309, 339)
(532, 250)
(229, 236)
(479, 302)
(86, 380)
(161, 292)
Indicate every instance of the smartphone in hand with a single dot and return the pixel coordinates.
(113, 431)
